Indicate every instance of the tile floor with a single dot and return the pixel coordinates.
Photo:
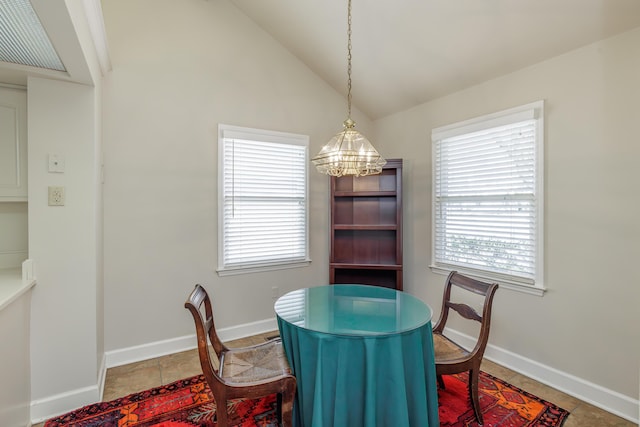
(135, 377)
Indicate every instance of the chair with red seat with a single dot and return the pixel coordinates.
(451, 357)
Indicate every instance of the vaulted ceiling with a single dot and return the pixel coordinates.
(407, 52)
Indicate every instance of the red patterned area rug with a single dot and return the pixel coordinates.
(503, 405)
(184, 403)
(189, 403)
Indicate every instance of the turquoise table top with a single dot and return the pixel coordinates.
(362, 356)
(353, 310)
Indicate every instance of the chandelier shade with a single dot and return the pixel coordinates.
(349, 152)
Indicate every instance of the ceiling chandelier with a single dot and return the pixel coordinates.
(349, 152)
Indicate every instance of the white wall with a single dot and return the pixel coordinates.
(180, 69)
(62, 243)
(587, 324)
(14, 369)
(64, 118)
(95, 57)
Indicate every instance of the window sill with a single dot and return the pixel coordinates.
(506, 284)
(231, 271)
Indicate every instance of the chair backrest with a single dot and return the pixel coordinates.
(199, 305)
(486, 290)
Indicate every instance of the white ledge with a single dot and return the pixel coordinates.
(14, 282)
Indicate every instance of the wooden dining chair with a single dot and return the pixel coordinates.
(451, 357)
(248, 372)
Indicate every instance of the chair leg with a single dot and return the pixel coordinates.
(473, 394)
(221, 414)
(440, 382)
(279, 408)
(286, 408)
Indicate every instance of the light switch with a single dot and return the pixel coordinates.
(56, 163)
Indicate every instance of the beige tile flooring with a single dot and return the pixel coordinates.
(123, 380)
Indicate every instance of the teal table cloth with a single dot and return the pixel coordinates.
(362, 356)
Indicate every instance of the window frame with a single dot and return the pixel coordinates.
(535, 111)
(268, 136)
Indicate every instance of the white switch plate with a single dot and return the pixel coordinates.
(56, 196)
(56, 163)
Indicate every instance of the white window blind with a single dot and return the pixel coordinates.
(487, 204)
(263, 200)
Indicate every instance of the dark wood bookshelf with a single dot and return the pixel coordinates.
(366, 228)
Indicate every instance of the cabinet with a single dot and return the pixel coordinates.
(13, 145)
(366, 228)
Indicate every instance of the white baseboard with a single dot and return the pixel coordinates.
(146, 351)
(43, 409)
(59, 404)
(187, 342)
(609, 400)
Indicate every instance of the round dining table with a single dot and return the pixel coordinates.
(362, 356)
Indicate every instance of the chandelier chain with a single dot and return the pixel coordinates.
(349, 153)
(349, 60)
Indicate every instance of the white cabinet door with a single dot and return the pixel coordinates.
(13, 144)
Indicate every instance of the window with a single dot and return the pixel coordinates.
(487, 197)
(262, 200)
